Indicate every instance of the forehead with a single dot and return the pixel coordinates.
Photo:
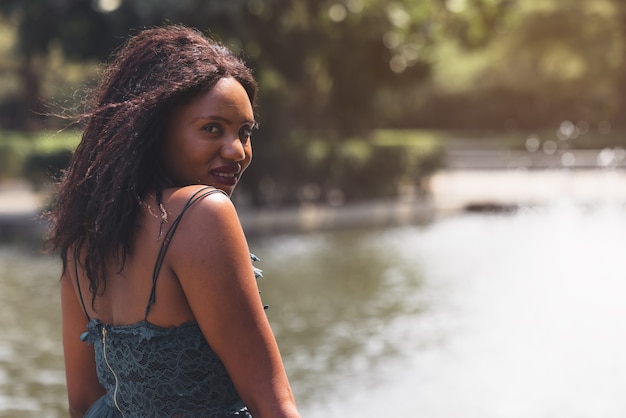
(226, 96)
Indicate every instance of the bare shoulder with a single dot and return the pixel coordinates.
(209, 225)
(183, 195)
(198, 201)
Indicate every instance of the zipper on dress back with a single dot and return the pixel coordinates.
(106, 360)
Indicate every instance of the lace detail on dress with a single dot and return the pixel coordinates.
(151, 371)
(170, 372)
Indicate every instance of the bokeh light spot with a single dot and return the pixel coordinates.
(549, 147)
(567, 130)
(532, 143)
(398, 16)
(337, 12)
(456, 6)
(355, 6)
(397, 64)
(392, 40)
(106, 6)
(568, 159)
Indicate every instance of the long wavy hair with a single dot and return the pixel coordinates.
(118, 160)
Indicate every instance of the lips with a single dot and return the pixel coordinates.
(227, 175)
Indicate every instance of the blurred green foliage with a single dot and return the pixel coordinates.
(346, 83)
(37, 157)
(351, 169)
(321, 63)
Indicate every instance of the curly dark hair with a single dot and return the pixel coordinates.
(118, 159)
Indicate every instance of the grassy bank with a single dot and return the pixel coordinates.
(35, 155)
(352, 165)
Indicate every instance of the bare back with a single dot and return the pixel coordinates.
(128, 289)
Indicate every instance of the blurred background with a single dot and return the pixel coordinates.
(437, 196)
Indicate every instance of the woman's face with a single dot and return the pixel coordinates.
(207, 141)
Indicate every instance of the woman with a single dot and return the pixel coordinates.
(161, 311)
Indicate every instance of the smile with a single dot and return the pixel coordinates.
(226, 175)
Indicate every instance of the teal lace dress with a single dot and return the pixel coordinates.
(150, 371)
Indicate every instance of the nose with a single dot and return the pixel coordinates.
(233, 149)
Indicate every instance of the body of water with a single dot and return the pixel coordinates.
(475, 315)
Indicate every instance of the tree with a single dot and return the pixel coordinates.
(552, 60)
(325, 59)
(328, 68)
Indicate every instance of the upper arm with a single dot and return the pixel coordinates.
(83, 388)
(212, 262)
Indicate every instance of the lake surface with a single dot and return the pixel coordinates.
(486, 316)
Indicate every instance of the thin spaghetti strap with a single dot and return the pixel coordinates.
(200, 194)
(80, 294)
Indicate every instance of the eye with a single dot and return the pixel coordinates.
(212, 128)
(245, 132)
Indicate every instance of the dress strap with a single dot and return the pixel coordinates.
(200, 194)
(80, 293)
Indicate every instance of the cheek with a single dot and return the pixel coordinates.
(183, 149)
(177, 158)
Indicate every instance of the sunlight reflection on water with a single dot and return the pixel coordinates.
(486, 316)
(524, 319)
(32, 382)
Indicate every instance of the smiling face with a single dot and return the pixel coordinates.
(207, 141)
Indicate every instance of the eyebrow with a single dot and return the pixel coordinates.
(223, 119)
